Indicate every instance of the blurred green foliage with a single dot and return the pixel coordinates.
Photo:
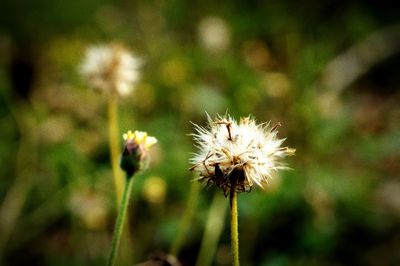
(340, 203)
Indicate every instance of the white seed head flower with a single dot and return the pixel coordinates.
(110, 68)
(235, 155)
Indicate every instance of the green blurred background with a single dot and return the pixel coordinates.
(328, 71)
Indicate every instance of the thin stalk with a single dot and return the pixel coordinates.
(118, 176)
(36, 222)
(26, 160)
(11, 207)
(234, 227)
(120, 221)
(114, 136)
(212, 231)
(187, 217)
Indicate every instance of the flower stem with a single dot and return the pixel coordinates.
(26, 160)
(234, 226)
(120, 221)
(113, 136)
(187, 217)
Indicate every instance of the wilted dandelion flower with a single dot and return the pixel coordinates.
(110, 68)
(135, 154)
(237, 155)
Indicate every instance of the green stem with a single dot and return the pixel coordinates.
(120, 221)
(113, 136)
(187, 217)
(26, 161)
(119, 181)
(234, 226)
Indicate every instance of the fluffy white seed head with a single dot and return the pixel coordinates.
(238, 155)
(110, 68)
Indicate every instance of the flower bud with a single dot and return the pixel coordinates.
(135, 154)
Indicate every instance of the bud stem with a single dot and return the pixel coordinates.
(234, 225)
(120, 221)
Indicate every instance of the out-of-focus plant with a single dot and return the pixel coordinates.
(112, 70)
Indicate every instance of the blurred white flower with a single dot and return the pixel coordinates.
(110, 68)
(232, 154)
(214, 34)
